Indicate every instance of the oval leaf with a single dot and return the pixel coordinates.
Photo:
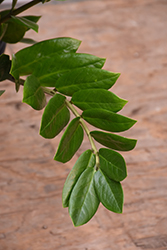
(107, 120)
(70, 141)
(86, 159)
(55, 66)
(114, 141)
(85, 78)
(25, 61)
(55, 117)
(112, 164)
(98, 98)
(110, 192)
(83, 201)
(33, 94)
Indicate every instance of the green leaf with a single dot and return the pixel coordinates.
(54, 67)
(98, 98)
(33, 94)
(1, 92)
(83, 201)
(28, 41)
(107, 120)
(25, 61)
(86, 159)
(86, 78)
(25, 22)
(5, 65)
(15, 30)
(110, 192)
(112, 164)
(114, 141)
(1, 1)
(55, 117)
(70, 141)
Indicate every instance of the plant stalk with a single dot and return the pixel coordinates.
(19, 10)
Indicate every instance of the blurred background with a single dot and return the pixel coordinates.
(132, 36)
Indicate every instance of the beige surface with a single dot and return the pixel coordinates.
(132, 35)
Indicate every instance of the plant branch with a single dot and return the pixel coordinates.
(75, 112)
(19, 10)
(82, 122)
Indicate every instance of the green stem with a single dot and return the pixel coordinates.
(75, 112)
(19, 10)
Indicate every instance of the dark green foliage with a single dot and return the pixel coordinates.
(107, 120)
(70, 141)
(53, 67)
(113, 141)
(55, 117)
(96, 175)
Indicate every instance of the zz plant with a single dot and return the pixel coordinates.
(76, 84)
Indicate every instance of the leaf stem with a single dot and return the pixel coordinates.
(75, 112)
(19, 10)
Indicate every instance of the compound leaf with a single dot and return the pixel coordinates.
(107, 120)
(112, 164)
(70, 141)
(86, 159)
(33, 93)
(98, 98)
(114, 141)
(86, 78)
(25, 60)
(83, 201)
(55, 117)
(110, 192)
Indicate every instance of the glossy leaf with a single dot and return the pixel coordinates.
(114, 141)
(86, 160)
(110, 192)
(55, 117)
(107, 120)
(25, 22)
(98, 98)
(26, 60)
(112, 164)
(5, 65)
(70, 141)
(86, 78)
(57, 65)
(83, 201)
(33, 94)
(15, 31)
(1, 92)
